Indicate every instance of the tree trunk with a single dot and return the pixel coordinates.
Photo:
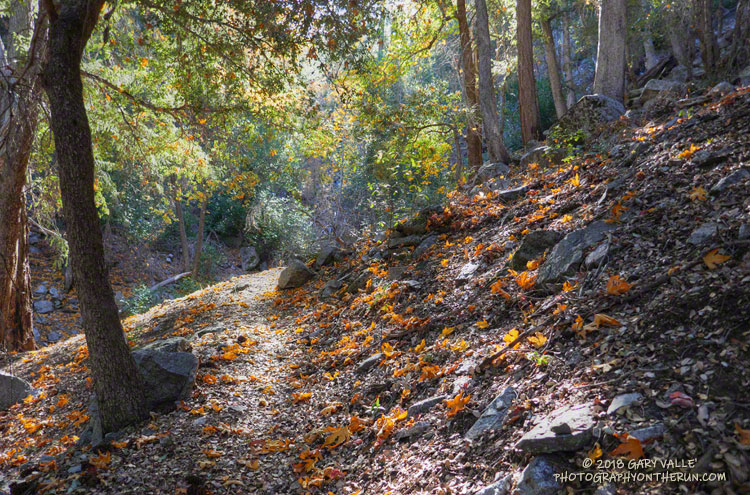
(117, 383)
(473, 135)
(570, 89)
(487, 100)
(739, 54)
(609, 79)
(183, 235)
(459, 156)
(19, 101)
(553, 68)
(681, 37)
(709, 47)
(199, 241)
(527, 98)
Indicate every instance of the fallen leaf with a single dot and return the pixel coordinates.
(630, 447)
(538, 339)
(743, 434)
(712, 259)
(698, 194)
(337, 436)
(595, 453)
(457, 404)
(617, 286)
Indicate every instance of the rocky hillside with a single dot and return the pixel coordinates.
(577, 324)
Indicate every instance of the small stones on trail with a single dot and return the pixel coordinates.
(44, 306)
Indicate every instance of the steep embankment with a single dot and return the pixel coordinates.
(624, 302)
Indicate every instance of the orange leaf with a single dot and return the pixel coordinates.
(212, 454)
(457, 404)
(301, 397)
(743, 434)
(617, 285)
(713, 259)
(630, 447)
(337, 436)
(102, 460)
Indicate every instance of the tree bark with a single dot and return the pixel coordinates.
(183, 234)
(739, 54)
(117, 383)
(681, 36)
(609, 79)
(527, 98)
(553, 68)
(487, 99)
(473, 135)
(199, 240)
(709, 47)
(19, 104)
(570, 89)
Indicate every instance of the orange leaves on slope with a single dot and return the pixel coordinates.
(617, 286)
(538, 339)
(525, 280)
(713, 259)
(511, 336)
(688, 153)
(337, 436)
(385, 424)
(212, 454)
(743, 434)
(482, 324)
(457, 404)
(698, 194)
(102, 460)
(600, 320)
(301, 397)
(497, 288)
(630, 447)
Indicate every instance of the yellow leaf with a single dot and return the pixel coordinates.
(102, 460)
(337, 436)
(538, 339)
(387, 349)
(212, 454)
(301, 397)
(457, 404)
(510, 337)
(532, 265)
(567, 287)
(698, 194)
(743, 434)
(713, 259)
(420, 347)
(575, 181)
(617, 285)
(595, 453)
(482, 324)
(447, 331)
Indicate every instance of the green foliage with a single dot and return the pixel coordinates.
(212, 258)
(279, 225)
(141, 301)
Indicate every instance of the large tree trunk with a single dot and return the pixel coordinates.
(609, 79)
(19, 100)
(709, 47)
(681, 36)
(739, 54)
(553, 68)
(199, 241)
(570, 89)
(487, 100)
(473, 135)
(117, 383)
(527, 98)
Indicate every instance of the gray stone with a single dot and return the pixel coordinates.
(544, 156)
(200, 421)
(661, 87)
(173, 344)
(423, 406)
(330, 288)
(249, 258)
(649, 433)
(44, 306)
(539, 478)
(75, 469)
(595, 257)
(703, 234)
(409, 240)
(744, 232)
(417, 225)
(54, 336)
(734, 178)
(511, 194)
(607, 489)
(55, 293)
(501, 487)
(42, 289)
(721, 89)
(491, 170)
(533, 245)
(369, 363)
(542, 439)
(114, 436)
(396, 272)
(568, 253)
(12, 390)
(168, 376)
(426, 244)
(588, 114)
(326, 256)
(493, 415)
(710, 158)
(413, 432)
(679, 74)
(466, 273)
(623, 401)
(743, 78)
(295, 275)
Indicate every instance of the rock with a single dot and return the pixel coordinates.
(568, 253)
(588, 114)
(649, 433)
(703, 234)
(173, 344)
(415, 431)
(396, 272)
(326, 256)
(491, 170)
(200, 421)
(595, 257)
(54, 336)
(42, 289)
(369, 363)
(710, 158)
(493, 415)
(734, 178)
(511, 194)
(425, 405)
(544, 156)
(34, 238)
(426, 244)
(542, 439)
(249, 258)
(12, 390)
(44, 306)
(661, 87)
(743, 78)
(330, 288)
(722, 89)
(679, 74)
(295, 275)
(409, 240)
(119, 296)
(539, 478)
(501, 487)
(533, 245)
(466, 273)
(417, 225)
(607, 489)
(168, 376)
(623, 401)
(744, 232)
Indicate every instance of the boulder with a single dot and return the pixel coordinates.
(661, 87)
(327, 255)
(493, 416)
(533, 245)
(425, 405)
(743, 78)
(44, 306)
(491, 170)
(426, 244)
(396, 272)
(249, 258)
(173, 344)
(12, 390)
(294, 275)
(544, 156)
(331, 287)
(501, 487)
(734, 178)
(466, 273)
(595, 257)
(417, 225)
(679, 74)
(509, 195)
(369, 363)
(568, 253)
(565, 429)
(703, 234)
(722, 89)
(168, 376)
(588, 114)
(539, 478)
(409, 240)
